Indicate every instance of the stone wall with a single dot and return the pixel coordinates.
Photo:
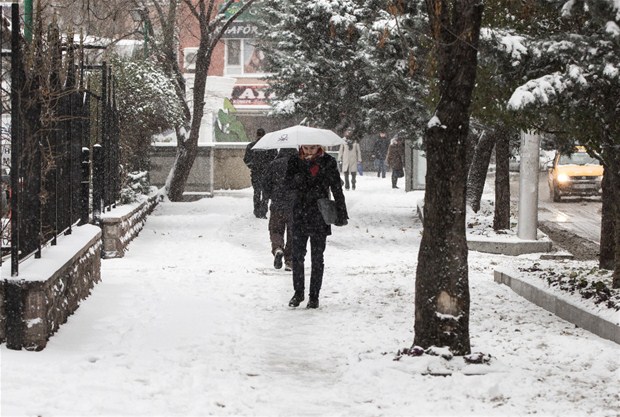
(122, 224)
(48, 290)
(218, 166)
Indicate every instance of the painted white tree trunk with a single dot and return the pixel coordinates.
(528, 187)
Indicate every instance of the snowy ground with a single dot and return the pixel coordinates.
(194, 321)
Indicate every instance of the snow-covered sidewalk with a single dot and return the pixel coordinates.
(194, 321)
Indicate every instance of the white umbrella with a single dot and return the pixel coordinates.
(295, 136)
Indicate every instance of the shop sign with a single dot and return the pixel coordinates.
(254, 95)
(241, 30)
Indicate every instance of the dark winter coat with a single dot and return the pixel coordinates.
(274, 182)
(313, 180)
(396, 155)
(258, 160)
(380, 148)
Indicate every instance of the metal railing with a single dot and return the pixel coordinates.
(59, 120)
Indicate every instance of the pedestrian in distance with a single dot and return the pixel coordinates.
(258, 160)
(282, 197)
(313, 174)
(379, 153)
(396, 158)
(350, 155)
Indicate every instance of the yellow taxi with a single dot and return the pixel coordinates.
(577, 174)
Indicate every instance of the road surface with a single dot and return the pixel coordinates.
(573, 225)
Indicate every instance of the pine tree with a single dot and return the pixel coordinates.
(571, 87)
(310, 49)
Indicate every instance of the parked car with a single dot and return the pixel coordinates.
(577, 174)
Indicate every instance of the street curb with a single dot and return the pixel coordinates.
(511, 248)
(508, 247)
(561, 308)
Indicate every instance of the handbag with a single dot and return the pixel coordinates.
(327, 208)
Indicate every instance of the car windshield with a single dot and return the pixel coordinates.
(578, 158)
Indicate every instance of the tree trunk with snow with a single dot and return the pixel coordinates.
(212, 23)
(501, 217)
(442, 283)
(614, 168)
(608, 213)
(478, 170)
(187, 142)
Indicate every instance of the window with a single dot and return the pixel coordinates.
(243, 58)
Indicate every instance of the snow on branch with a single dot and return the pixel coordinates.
(612, 27)
(512, 45)
(611, 71)
(538, 91)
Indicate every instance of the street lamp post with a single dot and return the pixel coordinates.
(28, 20)
(141, 16)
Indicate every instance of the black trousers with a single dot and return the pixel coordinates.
(260, 201)
(317, 247)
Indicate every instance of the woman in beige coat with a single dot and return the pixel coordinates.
(349, 155)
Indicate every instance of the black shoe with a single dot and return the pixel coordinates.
(288, 266)
(277, 259)
(296, 300)
(313, 302)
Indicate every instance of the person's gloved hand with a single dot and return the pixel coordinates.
(341, 221)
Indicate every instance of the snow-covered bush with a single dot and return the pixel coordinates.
(136, 185)
(147, 105)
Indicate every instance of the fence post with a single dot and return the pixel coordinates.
(85, 186)
(97, 182)
(15, 136)
(105, 136)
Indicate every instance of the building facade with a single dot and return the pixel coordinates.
(236, 98)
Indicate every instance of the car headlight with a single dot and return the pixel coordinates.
(562, 178)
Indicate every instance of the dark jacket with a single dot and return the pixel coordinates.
(274, 182)
(258, 160)
(379, 150)
(313, 180)
(396, 154)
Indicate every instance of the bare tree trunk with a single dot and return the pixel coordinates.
(442, 286)
(501, 217)
(187, 146)
(608, 215)
(614, 168)
(478, 170)
(208, 14)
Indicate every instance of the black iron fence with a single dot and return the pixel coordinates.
(60, 139)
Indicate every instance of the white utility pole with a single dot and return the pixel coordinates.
(527, 225)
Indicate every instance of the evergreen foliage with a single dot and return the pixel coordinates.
(147, 104)
(145, 96)
(346, 63)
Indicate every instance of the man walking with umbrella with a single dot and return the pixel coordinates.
(258, 161)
